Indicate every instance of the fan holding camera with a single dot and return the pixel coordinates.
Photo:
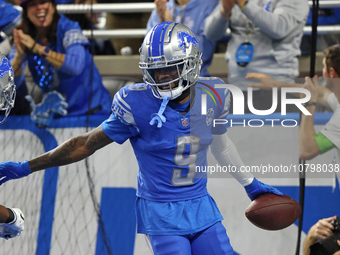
(323, 238)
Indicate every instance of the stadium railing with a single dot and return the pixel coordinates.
(118, 65)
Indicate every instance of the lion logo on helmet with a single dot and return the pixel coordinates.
(5, 67)
(185, 39)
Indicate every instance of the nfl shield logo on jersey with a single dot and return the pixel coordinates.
(210, 116)
(185, 122)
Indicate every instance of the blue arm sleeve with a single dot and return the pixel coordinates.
(74, 62)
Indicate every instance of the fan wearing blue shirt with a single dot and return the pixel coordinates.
(60, 59)
(10, 17)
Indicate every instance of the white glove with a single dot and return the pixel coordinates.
(14, 228)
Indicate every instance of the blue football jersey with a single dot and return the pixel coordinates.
(168, 156)
(10, 17)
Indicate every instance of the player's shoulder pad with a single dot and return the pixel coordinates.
(127, 97)
(132, 92)
(218, 90)
(215, 85)
(138, 87)
(214, 82)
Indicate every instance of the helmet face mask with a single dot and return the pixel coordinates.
(7, 87)
(165, 81)
(170, 49)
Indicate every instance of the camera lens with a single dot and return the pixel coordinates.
(318, 249)
(327, 246)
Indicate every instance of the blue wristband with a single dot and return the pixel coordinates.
(10, 170)
(26, 168)
(257, 188)
(252, 185)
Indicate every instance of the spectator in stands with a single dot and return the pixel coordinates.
(265, 38)
(321, 230)
(311, 143)
(126, 20)
(59, 60)
(10, 17)
(101, 46)
(191, 13)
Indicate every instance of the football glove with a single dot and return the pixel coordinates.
(14, 228)
(13, 170)
(257, 188)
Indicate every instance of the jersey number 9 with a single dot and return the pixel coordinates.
(182, 160)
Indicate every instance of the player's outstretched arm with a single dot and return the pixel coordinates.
(226, 154)
(73, 150)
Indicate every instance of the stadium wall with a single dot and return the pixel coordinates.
(61, 216)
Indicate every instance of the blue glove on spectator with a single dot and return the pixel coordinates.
(13, 170)
(257, 188)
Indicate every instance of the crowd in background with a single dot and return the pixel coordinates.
(266, 37)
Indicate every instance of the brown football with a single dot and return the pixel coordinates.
(272, 212)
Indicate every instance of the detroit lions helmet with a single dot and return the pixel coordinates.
(7, 86)
(170, 46)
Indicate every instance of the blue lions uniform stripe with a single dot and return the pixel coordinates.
(156, 38)
(150, 38)
(163, 35)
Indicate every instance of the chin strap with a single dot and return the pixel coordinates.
(159, 116)
(184, 94)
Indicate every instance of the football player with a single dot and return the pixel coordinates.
(170, 137)
(11, 219)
